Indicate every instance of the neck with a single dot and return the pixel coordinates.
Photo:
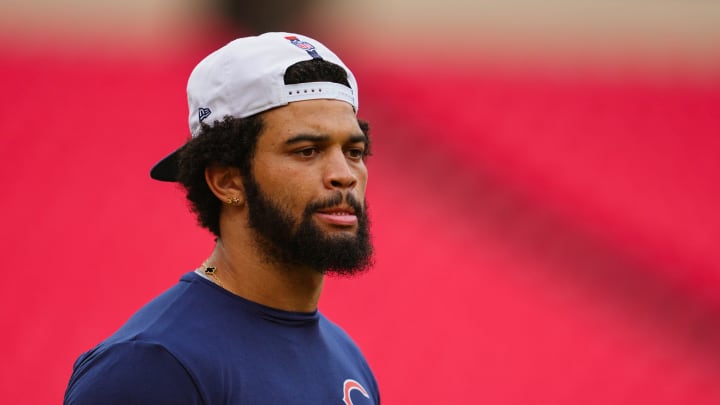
(246, 273)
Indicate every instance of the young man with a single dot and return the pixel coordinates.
(276, 171)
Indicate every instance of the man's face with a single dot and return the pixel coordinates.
(306, 194)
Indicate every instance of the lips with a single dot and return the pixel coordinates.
(343, 216)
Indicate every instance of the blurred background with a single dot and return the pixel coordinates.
(544, 189)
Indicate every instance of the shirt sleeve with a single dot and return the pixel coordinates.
(131, 373)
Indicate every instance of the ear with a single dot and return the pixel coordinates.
(226, 183)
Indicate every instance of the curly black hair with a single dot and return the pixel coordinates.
(232, 142)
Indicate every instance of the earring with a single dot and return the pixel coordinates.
(234, 201)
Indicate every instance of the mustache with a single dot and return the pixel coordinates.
(335, 200)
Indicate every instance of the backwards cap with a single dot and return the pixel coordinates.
(246, 77)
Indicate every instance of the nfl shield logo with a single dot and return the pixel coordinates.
(305, 46)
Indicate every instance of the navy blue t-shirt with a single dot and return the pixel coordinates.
(200, 344)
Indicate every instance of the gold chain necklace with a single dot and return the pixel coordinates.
(211, 272)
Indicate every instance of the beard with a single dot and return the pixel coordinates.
(305, 244)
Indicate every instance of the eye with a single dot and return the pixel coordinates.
(307, 152)
(356, 153)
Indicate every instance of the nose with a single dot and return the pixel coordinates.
(339, 174)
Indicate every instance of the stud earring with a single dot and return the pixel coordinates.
(234, 201)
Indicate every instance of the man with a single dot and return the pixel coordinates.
(275, 169)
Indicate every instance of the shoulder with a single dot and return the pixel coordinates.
(172, 317)
(338, 334)
(349, 354)
(131, 372)
(158, 355)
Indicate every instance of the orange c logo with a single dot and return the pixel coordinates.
(348, 386)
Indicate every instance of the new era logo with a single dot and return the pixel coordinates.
(203, 113)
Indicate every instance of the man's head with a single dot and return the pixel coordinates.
(297, 160)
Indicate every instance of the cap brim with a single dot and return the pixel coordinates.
(167, 168)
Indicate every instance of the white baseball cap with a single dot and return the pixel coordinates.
(246, 77)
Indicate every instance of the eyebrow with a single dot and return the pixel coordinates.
(323, 138)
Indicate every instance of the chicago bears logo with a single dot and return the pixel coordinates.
(349, 386)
